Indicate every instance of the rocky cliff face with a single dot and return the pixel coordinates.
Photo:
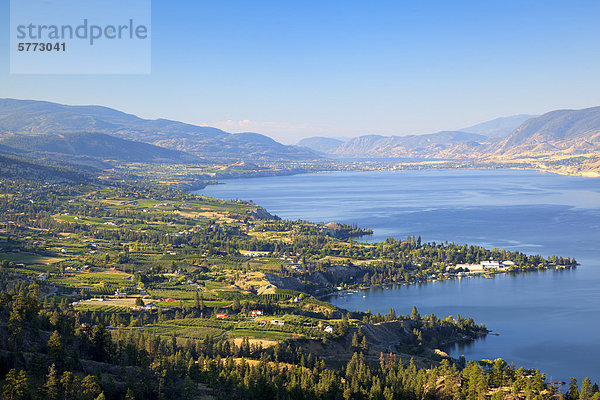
(261, 213)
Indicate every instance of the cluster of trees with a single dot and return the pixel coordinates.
(587, 391)
(429, 330)
(54, 364)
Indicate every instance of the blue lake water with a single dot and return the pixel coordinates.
(547, 320)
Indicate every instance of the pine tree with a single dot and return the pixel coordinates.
(573, 393)
(22, 386)
(129, 395)
(70, 385)
(90, 388)
(414, 315)
(52, 385)
(17, 386)
(355, 342)
(363, 345)
(585, 392)
(9, 386)
(496, 374)
(55, 349)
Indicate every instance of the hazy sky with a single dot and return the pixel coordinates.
(293, 69)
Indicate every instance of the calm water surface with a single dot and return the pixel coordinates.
(547, 320)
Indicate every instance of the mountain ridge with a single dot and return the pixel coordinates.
(91, 144)
(434, 145)
(498, 127)
(42, 117)
(559, 133)
(563, 138)
(559, 129)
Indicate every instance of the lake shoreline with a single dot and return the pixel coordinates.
(478, 275)
(535, 212)
(218, 180)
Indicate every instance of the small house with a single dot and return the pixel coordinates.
(328, 329)
(222, 316)
(256, 313)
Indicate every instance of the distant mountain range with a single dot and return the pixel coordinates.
(444, 144)
(498, 127)
(321, 144)
(29, 117)
(563, 132)
(95, 135)
(435, 145)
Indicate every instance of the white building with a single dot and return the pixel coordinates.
(491, 264)
(468, 266)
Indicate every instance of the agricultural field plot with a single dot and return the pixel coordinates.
(102, 307)
(109, 276)
(169, 328)
(254, 341)
(267, 264)
(273, 331)
(191, 303)
(177, 292)
(106, 223)
(261, 334)
(240, 207)
(191, 206)
(197, 328)
(273, 236)
(106, 282)
(33, 270)
(202, 322)
(29, 258)
(214, 285)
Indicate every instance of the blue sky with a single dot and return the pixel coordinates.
(293, 69)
